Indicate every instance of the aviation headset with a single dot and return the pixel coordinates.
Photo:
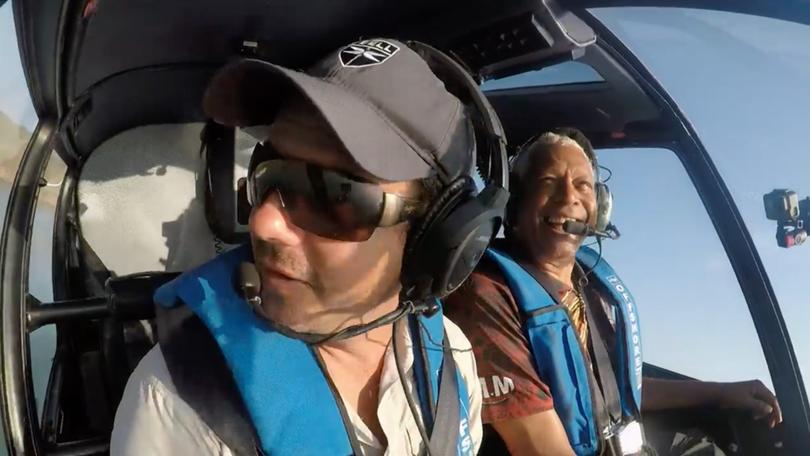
(445, 245)
(604, 199)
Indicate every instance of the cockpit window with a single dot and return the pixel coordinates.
(683, 283)
(744, 88)
(561, 73)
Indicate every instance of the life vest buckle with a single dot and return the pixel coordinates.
(625, 438)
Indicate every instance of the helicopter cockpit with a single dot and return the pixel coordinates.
(150, 188)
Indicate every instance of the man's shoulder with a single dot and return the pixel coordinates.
(150, 385)
(485, 287)
(153, 419)
(152, 370)
(486, 276)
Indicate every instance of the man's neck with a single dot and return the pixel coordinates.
(559, 267)
(560, 271)
(361, 346)
(355, 366)
(370, 341)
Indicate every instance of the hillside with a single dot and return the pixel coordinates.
(13, 139)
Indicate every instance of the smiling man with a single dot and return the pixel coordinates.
(300, 343)
(556, 332)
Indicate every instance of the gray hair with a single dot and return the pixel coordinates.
(521, 163)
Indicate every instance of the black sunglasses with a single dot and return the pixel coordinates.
(328, 203)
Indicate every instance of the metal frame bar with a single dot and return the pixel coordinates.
(739, 246)
(39, 315)
(65, 210)
(20, 412)
(60, 272)
(91, 308)
(82, 448)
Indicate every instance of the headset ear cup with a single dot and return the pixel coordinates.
(464, 236)
(604, 206)
(443, 250)
(510, 216)
(242, 204)
(449, 249)
(418, 272)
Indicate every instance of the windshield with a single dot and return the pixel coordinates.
(743, 83)
(562, 73)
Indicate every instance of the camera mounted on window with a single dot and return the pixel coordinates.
(791, 215)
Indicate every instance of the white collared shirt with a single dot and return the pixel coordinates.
(152, 419)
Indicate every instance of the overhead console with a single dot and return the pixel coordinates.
(542, 36)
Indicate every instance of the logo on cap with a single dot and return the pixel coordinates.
(367, 53)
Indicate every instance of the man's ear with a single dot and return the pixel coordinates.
(513, 205)
(593, 215)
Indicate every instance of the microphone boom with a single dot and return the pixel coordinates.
(582, 229)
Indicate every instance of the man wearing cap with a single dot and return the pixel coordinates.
(317, 354)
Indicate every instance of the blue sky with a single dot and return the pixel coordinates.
(743, 83)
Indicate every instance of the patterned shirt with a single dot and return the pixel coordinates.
(486, 311)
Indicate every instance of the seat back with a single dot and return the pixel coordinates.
(142, 204)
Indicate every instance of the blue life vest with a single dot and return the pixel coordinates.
(284, 388)
(558, 355)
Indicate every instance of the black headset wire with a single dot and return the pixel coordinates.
(404, 309)
(598, 240)
(438, 345)
(420, 424)
(584, 280)
(409, 397)
(609, 171)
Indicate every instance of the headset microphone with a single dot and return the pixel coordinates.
(250, 284)
(583, 229)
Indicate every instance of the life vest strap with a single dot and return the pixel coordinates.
(202, 378)
(559, 358)
(608, 389)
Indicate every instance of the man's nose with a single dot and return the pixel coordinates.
(271, 222)
(567, 192)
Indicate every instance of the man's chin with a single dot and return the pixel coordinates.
(286, 313)
(557, 241)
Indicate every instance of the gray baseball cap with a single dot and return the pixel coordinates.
(390, 111)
